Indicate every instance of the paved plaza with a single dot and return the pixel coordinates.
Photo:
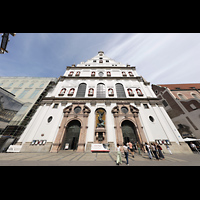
(71, 158)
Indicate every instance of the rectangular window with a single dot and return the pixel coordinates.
(146, 106)
(23, 94)
(55, 105)
(34, 94)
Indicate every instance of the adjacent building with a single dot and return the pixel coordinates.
(182, 103)
(99, 101)
(20, 98)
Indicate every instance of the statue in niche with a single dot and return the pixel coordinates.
(101, 121)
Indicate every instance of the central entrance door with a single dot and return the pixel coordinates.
(129, 132)
(72, 135)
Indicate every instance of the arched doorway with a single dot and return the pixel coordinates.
(129, 132)
(72, 135)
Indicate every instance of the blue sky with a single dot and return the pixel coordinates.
(160, 58)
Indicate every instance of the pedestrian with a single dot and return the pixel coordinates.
(148, 150)
(130, 145)
(167, 147)
(154, 149)
(126, 153)
(138, 148)
(193, 146)
(159, 148)
(119, 155)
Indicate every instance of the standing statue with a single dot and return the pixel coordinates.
(101, 121)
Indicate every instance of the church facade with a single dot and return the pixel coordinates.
(100, 101)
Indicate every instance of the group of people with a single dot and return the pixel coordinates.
(152, 150)
(156, 150)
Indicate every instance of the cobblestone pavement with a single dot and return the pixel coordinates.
(71, 158)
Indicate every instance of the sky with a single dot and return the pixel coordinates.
(161, 58)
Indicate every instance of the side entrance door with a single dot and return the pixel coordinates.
(72, 135)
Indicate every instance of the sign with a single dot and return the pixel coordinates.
(98, 147)
(14, 148)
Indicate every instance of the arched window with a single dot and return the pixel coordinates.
(194, 96)
(130, 92)
(139, 92)
(81, 90)
(181, 96)
(101, 90)
(62, 92)
(120, 90)
(91, 92)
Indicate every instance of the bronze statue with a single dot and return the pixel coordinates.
(101, 121)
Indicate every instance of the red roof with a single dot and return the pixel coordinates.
(182, 86)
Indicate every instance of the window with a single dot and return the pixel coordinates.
(23, 94)
(56, 105)
(193, 106)
(91, 92)
(101, 90)
(151, 119)
(78, 73)
(31, 85)
(130, 74)
(181, 96)
(139, 92)
(49, 119)
(124, 109)
(81, 90)
(124, 74)
(20, 85)
(101, 74)
(194, 96)
(146, 106)
(130, 92)
(120, 90)
(164, 103)
(71, 73)
(108, 73)
(62, 92)
(14, 91)
(77, 109)
(34, 94)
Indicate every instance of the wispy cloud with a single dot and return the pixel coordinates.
(160, 58)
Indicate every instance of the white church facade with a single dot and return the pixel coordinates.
(100, 101)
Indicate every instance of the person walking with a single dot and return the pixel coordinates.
(161, 156)
(167, 146)
(154, 149)
(130, 145)
(138, 148)
(125, 148)
(148, 150)
(119, 155)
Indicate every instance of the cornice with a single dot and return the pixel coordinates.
(101, 67)
(98, 77)
(100, 100)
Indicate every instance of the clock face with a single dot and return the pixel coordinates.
(101, 74)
